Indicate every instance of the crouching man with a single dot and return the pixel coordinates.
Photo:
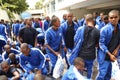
(31, 59)
(75, 70)
(9, 71)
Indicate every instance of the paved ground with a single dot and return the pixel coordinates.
(95, 72)
(93, 77)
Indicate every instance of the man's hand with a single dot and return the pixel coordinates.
(39, 72)
(115, 52)
(65, 49)
(57, 53)
(112, 58)
(30, 72)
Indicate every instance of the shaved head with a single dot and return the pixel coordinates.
(12, 56)
(39, 77)
(79, 63)
(113, 12)
(4, 63)
(5, 66)
(69, 17)
(25, 49)
(3, 77)
(89, 17)
(114, 17)
(6, 46)
(78, 60)
(24, 46)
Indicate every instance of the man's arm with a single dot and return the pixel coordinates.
(35, 42)
(42, 59)
(16, 76)
(112, 57)
(19, 38)
(115, 52)
(102, 45)
(23, 65)
(54, 52)
(47, 41)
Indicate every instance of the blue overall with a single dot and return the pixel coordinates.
(105, 66)
(35, 60)
(53, 38)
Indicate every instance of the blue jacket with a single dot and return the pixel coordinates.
(36, 58)
(22, 25)
(100, 25)
(82, 22)
(16, 29)
(64, 27)
(73, 74)
(105, 37)
(54, 39)
(46, 25)
(5, 54)
(3, 41)
(3, 31)
(63, 21)
(37, 25)
(78, 39)
(16, 61)
(98, 19)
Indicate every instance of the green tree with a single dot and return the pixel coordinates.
(16, 6)
(39, 4)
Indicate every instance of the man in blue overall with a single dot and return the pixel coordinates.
(3, 36)
(73, 73)
(109, 45)
(53, 41)
(33, 58)
(68, 30)
(85, 40)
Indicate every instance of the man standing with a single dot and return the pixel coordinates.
(69, 29)
(64, 18)
(53, 41)
(3, 36)
(86, 39)
(28, 34)
(109, 45)
(16, 29)
(46, 23)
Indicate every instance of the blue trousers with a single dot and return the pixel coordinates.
(2, 43)
(105, 69)
(43, 71)
(89, 65)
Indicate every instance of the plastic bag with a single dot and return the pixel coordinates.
(118, 60)
(115, 71)
(68, 54)
(59, 68)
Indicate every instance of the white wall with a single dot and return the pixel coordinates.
(79, 13)
(4, 15)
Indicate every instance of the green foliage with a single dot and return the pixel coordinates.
(39, 4)
(16, 6)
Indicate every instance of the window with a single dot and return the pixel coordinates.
(60, 0)
(53, 6)
(47, 9)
